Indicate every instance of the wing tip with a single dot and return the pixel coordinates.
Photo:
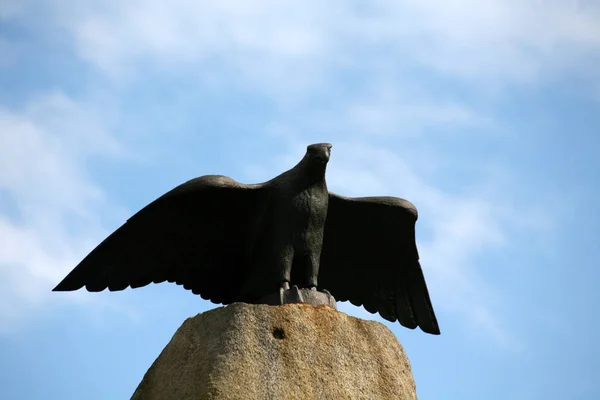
(431, 331)
(65, 287)
(431, 327)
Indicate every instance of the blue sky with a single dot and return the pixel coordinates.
(482, 113)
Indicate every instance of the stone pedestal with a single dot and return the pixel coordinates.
(292, 351)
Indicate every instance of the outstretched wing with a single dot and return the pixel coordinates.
(370, 258)
(199, 235)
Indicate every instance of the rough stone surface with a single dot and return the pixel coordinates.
(292, 351)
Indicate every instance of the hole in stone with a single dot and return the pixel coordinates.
(278, 333)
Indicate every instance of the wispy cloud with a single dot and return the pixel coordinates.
(50, 207)
(498, 40)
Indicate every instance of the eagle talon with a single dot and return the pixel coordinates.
(296, 294)
(281, 295)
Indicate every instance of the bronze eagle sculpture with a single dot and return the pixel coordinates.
(232, 242)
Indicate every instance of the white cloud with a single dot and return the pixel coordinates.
(501, 38)
(271, 41)
(54, 206)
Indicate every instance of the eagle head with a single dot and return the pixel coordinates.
(319, 152)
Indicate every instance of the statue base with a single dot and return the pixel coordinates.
(293, 351)
(294, 295)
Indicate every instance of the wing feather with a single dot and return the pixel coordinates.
(199, 235)
(370, 258)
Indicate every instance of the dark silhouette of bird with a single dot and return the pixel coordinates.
(232, 242)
